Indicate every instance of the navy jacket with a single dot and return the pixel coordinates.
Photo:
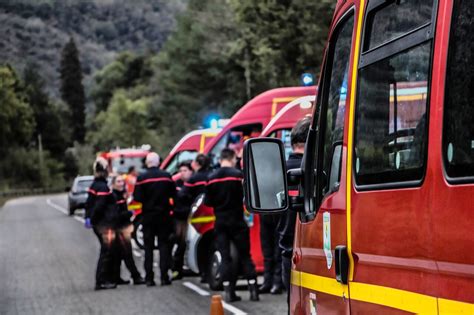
(156, 191)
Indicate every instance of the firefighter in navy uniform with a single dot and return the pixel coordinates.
(286, 226)
(186, 197)
(101, 215)
(123, 232)
(224, 192)
(181, 213)
(156, 191)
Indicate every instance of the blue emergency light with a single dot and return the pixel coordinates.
(307, 79)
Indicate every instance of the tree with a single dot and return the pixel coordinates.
(50, 122)
(72, 90)
(127, 71)
(196, 72)
(283, 39)
(123, 124)
(16, 117)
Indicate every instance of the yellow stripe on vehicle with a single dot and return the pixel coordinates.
(454, 307)
(318, 283)
(206, 219)
(390, 297)
(351, 135)
(278, 100)
(134, 207)
(395, 298)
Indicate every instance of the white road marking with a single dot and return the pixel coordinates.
(202, 292)
(80, 219)
(55, 206)
(233, 309)
(61, 209)
(196, 289)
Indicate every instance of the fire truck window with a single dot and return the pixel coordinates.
(396, 18)
(391, 118)
(285, 136)
(458, 128)
(216, 151)
(180, 157)
(333, 105)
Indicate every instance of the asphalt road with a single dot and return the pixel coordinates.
(47, 266)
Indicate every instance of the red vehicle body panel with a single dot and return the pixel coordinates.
(193, 141)
(261, 109)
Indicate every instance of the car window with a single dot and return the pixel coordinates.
(178, 158)
(82, 186)
(458, 127)
(333, 108)
(391, 127)
(395, 19)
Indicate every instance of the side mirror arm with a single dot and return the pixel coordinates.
(296, 201)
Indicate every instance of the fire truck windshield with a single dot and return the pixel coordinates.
(121, 164)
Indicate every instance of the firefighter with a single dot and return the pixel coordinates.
(123, 231)
(156, 190)
(101, 214)
(181, 214)
(286, 226)
(185, 171)
(224, 193)
(188, 194)
(131, 180)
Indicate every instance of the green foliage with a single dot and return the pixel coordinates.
(35, 30)
(283, 38)
(16, 117)
(72, 90)
(123, 124)
(51, 120)
(20, 168)
(127, 71)
(196, 70)
(78, 160)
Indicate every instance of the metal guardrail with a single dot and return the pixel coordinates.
(30, 192)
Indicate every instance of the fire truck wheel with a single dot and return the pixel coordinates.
(137, 233)
(214, 278)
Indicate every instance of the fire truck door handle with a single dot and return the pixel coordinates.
(342, 264)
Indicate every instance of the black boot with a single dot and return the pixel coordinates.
(264, 288)
(276, 289)
(229, 293)
(138, 280)
(253, 290)
(121, 281)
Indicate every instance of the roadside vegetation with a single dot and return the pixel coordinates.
(212, 57)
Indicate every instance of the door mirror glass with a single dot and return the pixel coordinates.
(265, 175)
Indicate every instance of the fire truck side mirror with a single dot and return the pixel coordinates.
(265, 183)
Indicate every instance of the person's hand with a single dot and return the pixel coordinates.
(87, 223)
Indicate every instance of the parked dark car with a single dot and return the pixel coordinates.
(78, 194)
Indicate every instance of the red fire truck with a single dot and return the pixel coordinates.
(385, 211)
(121, 159)
(187, 148)
(249, 121)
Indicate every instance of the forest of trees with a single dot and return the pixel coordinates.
(218, 55)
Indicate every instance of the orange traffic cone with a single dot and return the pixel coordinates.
(216, 305)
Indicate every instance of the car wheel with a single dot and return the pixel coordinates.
(137, 233)
(214, 274)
